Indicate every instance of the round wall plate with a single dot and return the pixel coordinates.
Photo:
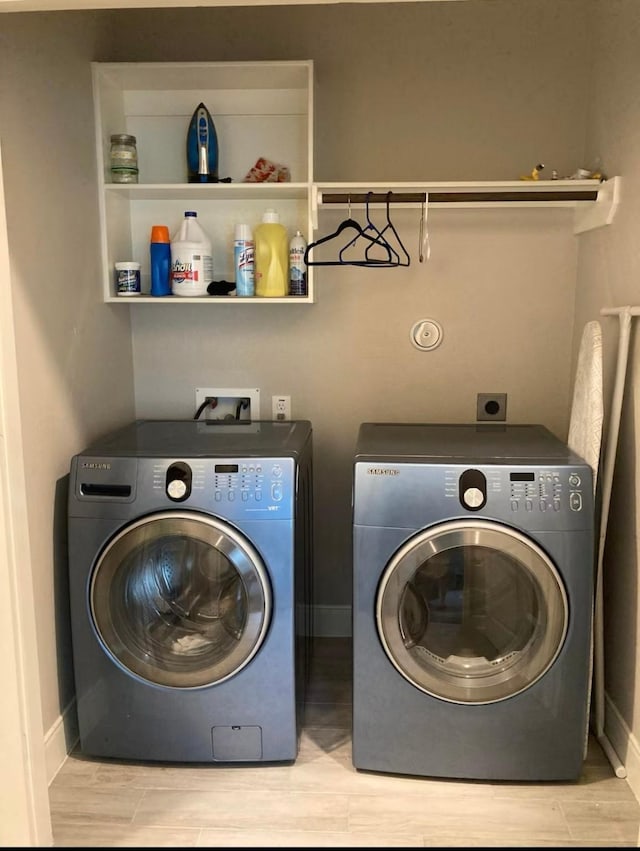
(426, 334)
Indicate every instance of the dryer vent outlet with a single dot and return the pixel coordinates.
(492, 406)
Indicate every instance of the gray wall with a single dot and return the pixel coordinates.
(425, 91)
(73, 352)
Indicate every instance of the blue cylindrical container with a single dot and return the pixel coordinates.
(160, 260)
(243, 253)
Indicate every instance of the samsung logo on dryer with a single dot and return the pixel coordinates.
(96, 465)
(382, 471)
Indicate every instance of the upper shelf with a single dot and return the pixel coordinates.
(595, 202)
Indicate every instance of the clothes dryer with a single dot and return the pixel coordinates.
(190, 575)
(473, 550)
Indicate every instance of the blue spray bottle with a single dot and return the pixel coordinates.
(202, 147)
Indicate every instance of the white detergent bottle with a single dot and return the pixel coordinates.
(271, 259)
(191, 260)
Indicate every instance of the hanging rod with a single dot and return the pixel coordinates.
(373, 197)
(453, 197)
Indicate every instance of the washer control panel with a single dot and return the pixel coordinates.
(234, 487)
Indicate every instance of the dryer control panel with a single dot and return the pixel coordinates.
(543, 490)
(547, 490)
(541, 497)
(528, 491)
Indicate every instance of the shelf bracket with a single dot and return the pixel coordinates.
(602, 211)
(313, 200)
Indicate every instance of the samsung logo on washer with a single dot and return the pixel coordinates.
(382, 471)
(96, 465)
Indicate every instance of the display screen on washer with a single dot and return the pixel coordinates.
(522, 477)
(471, 612)
(180, 600)
(226, 468)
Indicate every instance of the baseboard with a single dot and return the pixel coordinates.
(60, 740)
(624, 743)
(332, 621)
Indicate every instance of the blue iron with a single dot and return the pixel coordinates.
(202, 147)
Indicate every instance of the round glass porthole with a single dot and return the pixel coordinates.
(471, 611)
(180, 600)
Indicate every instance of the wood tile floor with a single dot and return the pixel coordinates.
(321, 800)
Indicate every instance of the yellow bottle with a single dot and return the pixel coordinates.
(271, 259)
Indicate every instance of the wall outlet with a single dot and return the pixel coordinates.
(492, 406)
(231, 403)
(281, 407)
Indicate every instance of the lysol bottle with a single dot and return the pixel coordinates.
(243, 258)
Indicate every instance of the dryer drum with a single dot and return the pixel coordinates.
(471, 611)
(180, 600)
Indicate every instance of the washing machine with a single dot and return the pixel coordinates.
(473, 573)
(190, 559)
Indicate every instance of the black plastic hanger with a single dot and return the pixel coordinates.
(376, 240)
(350, 224)
(405, 260)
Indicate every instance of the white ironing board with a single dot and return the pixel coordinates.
(587, 409)
(585, 427)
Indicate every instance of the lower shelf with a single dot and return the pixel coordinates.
(173, 300)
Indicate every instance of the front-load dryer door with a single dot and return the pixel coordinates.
(471, 611)
(180, 600)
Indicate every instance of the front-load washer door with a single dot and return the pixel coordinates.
(471, 611)
(180, 600)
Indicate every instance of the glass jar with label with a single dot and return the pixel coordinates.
(124, 158)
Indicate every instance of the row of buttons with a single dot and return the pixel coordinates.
(231, 495)
(575, 503)
(574, 479)
(528, 504)
(276, 494)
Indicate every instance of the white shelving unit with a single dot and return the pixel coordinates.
(260, 109)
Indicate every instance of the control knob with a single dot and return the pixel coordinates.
(473, 497)
(178, 481)
(472, 490)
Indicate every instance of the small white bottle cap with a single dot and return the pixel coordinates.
(270, 216)
(243, 232)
